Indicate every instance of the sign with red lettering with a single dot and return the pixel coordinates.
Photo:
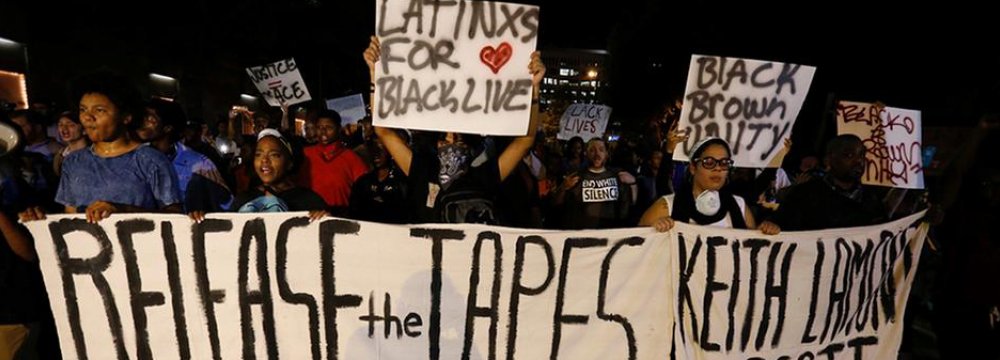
(893, 143)
(280, 82)
(459, 66)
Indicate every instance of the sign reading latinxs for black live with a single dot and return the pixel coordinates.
(269, 286)
(454, 65)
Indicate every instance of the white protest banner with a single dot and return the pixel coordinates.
(832, 294)
(751, 104)
(893, 140)
(351, 108)
(458, 66)
(280, 82)
(250, 286)
(584, 120)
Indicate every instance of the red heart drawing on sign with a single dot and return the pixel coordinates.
(496, 58)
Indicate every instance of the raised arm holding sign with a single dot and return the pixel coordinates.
(454, 66)
(454, 155)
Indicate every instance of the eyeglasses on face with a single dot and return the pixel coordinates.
(710, 163)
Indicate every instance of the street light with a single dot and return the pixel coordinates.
(248, 97)
(592, 73)
(161, 77)
(4, 41)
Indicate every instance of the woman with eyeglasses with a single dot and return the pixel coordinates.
(700, 199)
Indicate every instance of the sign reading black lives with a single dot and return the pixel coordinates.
(456, 65)
(751, 104)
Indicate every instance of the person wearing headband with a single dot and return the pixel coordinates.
(273, 164)
(701, 199)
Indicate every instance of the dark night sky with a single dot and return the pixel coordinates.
(950, 72)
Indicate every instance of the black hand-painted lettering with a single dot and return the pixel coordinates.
(755, 82)
(711, 286)
(140, 300)
(558, 318)
(518, 289)
(778, 292)
(687, 264)
(733, 295)
(707, 75)
(437, 237)
(328, 231)
(285, 291)
(510, 20)
(478, 19)
(807, 336)
(836, 296)
(208, 296)
(255, 230)
(176, 292)
(602, 295)
(94, 267)
(530, 21)
(387, 54)
(755, 246)
(473, 310)
(787, 77)
(739, 70)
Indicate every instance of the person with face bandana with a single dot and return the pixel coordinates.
(701, 199)
(273, 164)
(458, 182)
(330, 168)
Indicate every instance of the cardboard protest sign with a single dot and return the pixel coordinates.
(893, 140)
(751, 104)
(458, 66)
(280, 82)
(584, 120)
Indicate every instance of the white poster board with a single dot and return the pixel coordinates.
(584, 120)
(459, 66)
(751, 104)
(280, 82)
(893, 140)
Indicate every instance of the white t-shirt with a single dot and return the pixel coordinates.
(726, 222)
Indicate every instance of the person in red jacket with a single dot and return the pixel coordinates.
(330, 168)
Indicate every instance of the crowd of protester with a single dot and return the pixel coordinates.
(118, 153)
